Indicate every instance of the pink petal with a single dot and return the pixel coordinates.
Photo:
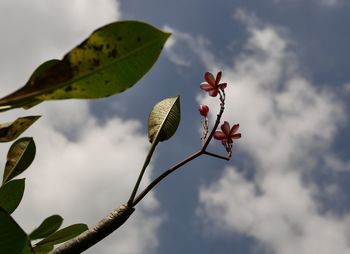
(219, 135)
(205, 86)
(225, 127)
(236, 136)
(213, 92)
(218, 77)
(234, 129)
(209, 78)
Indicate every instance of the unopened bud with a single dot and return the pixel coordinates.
(203, 110)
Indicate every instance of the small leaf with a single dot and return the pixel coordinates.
(11, 194)
(12, 237)
(164, 119)
(28, 248)
(43, 249)
(111, 60)
(49, 226)
(63, 235)
(19, 157)
(11, 131)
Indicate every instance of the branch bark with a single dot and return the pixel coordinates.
(96, 233)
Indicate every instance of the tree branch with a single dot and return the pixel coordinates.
(118, 216)
(95, 234)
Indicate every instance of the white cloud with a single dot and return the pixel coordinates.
(83, 169)
(180, 47)
(335, 163)
(283, 216)
(347, 88)
(288, 125)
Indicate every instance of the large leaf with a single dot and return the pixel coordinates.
(12, 237)
(40, 71)
(164, 119)
(11, 194)
(111, 60)
(11, 131)
(49, 226)
(19, 158)
(63, 235)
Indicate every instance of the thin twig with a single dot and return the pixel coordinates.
(165, 174)
(205, 125)
(217, 122)
(217, 156)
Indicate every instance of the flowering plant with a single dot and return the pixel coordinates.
(96, 68)
(227, 134)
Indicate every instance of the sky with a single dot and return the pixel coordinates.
(286, 188)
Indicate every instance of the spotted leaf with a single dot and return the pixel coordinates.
(111, 60)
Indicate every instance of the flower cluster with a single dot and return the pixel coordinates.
(227, 134)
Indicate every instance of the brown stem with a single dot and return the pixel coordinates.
(145, 164)
(217, 156)
(162, 176)
(217, 122)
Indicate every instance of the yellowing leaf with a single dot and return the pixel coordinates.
(111, 60)
(19, 157)
(11, 131)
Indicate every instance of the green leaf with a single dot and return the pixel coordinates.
(28, 248)
(63, 235)
(111, 60)
(49, 226)
(11, 194)
(12, 237)
(11, 131)
(19, 158)
(164, 119)
(43, 249)
(37, 74)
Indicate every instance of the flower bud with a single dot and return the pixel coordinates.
(203, 110)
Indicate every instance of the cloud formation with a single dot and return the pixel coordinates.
(288, 125)
(83, 168)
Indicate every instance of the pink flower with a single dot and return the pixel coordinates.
(203, 110)
(227, 134)
(212, 85)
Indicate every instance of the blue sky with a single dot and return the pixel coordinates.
(286, 188)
